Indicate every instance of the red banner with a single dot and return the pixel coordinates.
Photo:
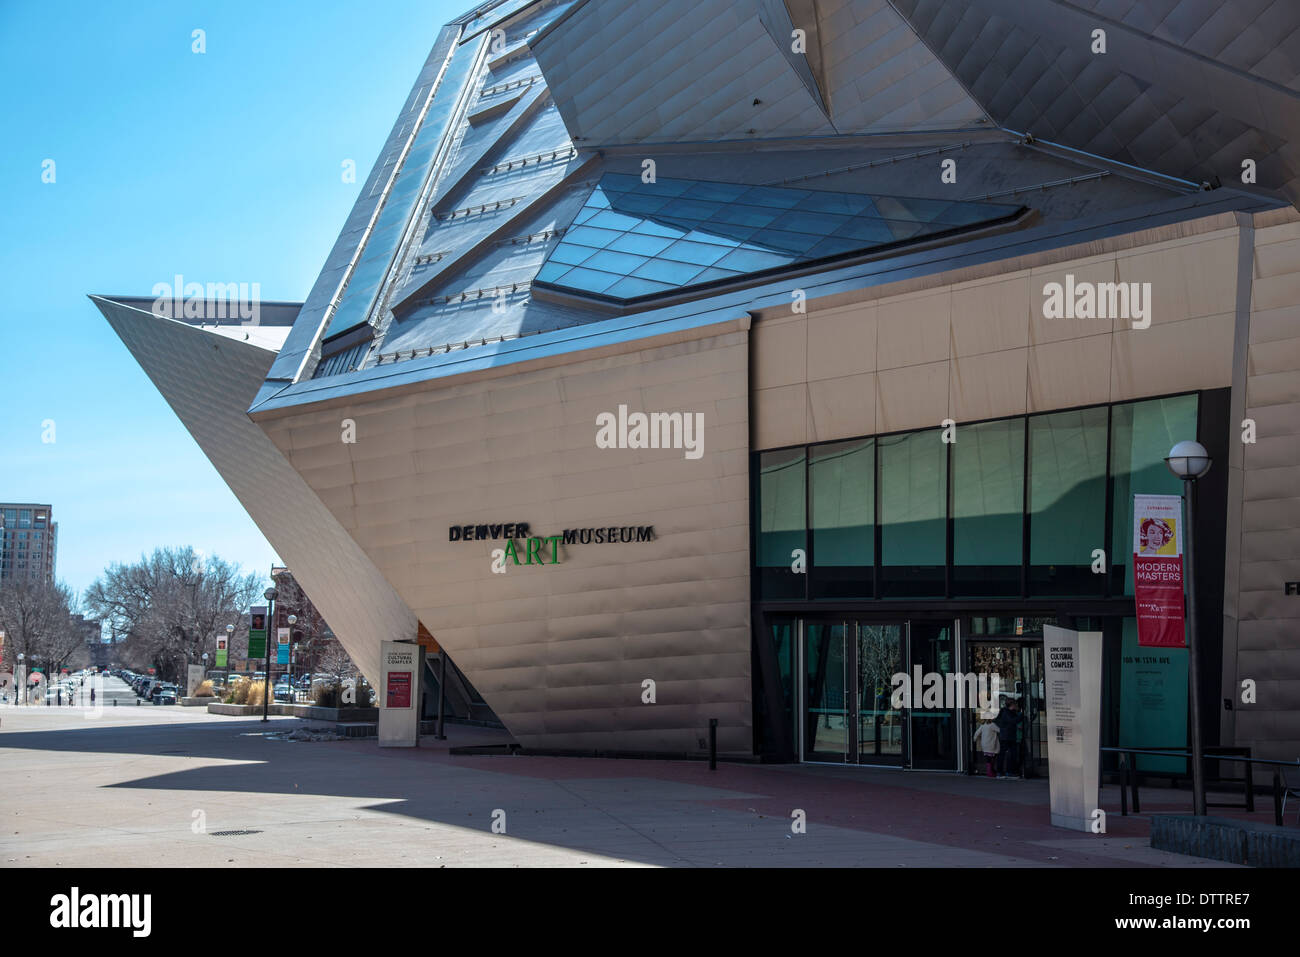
(1158, 570)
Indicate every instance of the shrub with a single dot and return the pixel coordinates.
(325, 695)
(205, 690)
(239, 694)
(256, 689)
(363, 694)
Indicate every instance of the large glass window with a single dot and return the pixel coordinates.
(1018, 506)
(842, 479)
(781, 524)
(913, 513)
(1141, 435)
(1067, 501)
(988, 495)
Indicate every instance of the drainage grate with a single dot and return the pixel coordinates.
(232, 833)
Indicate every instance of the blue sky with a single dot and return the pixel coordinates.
(221, 166)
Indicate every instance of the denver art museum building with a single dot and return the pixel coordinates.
(720, 360)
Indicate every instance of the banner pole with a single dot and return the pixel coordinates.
(1193, 671)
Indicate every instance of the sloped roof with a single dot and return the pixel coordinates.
(525, 109)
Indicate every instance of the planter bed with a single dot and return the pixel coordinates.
(248, 710)
(350, 715)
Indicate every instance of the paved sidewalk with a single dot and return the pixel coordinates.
(134, 787)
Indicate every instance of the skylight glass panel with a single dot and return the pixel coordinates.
(634, 239)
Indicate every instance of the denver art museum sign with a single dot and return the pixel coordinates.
(524, 548)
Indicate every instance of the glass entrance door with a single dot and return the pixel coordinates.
(932, 728)
(826, 676)
(1018, 666)
(847, 715)
(1034, 703)
(882, 728)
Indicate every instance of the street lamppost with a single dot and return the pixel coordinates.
(293, 620)
(19, 693)
(1189, 461)
(230, 650)
(270, 595)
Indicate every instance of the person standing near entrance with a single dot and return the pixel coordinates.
(1008, 723)
(986, 740)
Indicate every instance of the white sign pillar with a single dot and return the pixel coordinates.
(1072, 671)
(401, 665)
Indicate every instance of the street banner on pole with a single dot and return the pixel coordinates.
(1158, 570)
(222, 653)
(257, 631)
(282, 646)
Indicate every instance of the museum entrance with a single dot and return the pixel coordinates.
(848, 711)
(1012, 649)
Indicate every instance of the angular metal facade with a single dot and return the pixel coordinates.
(474, 365)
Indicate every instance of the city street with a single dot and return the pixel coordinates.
(142, 786)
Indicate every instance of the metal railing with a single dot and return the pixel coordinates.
(1129, 775)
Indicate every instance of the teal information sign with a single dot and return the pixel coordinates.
(1153, 700)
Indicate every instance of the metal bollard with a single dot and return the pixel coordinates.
(713, 744)
(1123, 785)
(1277, 797)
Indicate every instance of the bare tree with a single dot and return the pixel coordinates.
(171, 606)
(332, 659)
(36, 618)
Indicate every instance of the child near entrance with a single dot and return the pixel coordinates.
(986, 740)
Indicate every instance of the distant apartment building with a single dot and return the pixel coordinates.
(98, 652)
(28, 539)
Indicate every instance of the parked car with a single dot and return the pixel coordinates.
(164, 694)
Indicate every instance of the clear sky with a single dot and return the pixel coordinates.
(222, 166)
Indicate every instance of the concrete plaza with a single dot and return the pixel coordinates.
(148, 786)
